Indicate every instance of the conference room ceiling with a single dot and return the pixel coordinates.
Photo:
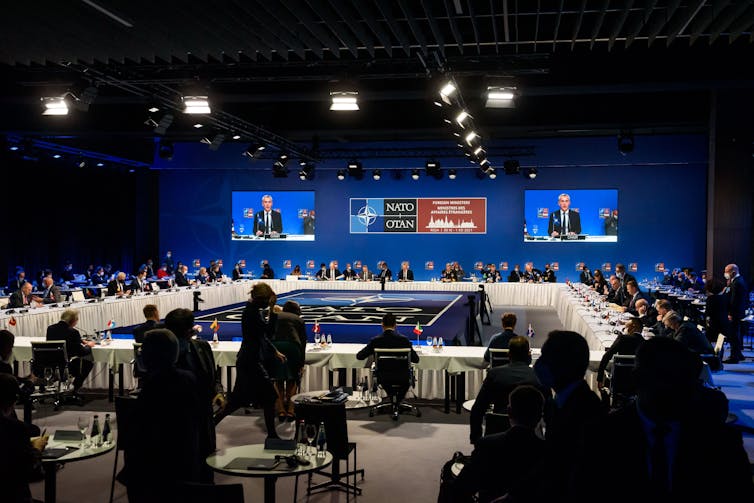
(580, 66)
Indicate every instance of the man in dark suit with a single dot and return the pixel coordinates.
(515, 276)
(501, 340)
(6, 352)
(716, 310)
(624, 277)
(117, 286)
(267, 272)
(505, 460)
(99, 278)
(350, 273)
(561, 367)
(309, 223)
(152, 316)
(390, 339)
(79, 352)
(634, 295)
(50, 291)
(405, 274)
(549, 275)
(17, 282)
(665, 446)
(615, 295)
(366, 274)
(385, 273)
(586, 277)
(627, 343)
(332, 273)
(611, 224)
(492, 275)
(687, 334)
(564, 221)
(180, 276)
(139, 284)
(168, 261)
(646, 314)
(739, 302)
(195, 356)
(22, 297)
(267, 220)
(499, 383)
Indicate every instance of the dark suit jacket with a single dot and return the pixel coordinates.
(6, 368)
(739, 299)
(499, 341)
(706, 451)
(15, 284)
(350, 274)
(267, 273)
(52, 296)
(98, 280)
(309, 224)
(276, 224)
(688, 335)
(498, 463)
(16, 300)
(180, 279)
(61, 331)
(616, 296)
(549, 276)
(330, 274)
(112, 287)
(611, 226)
(625, 344)
(492, 277)
(409, 275)
(17, 460)
(716, 315)
(515, 276)
(137, 286)
(385, 273)
(237, 274)
(631, 303)
(390, 339)
(498, 384)
(574, 222)
(586, 277)
(145, 327)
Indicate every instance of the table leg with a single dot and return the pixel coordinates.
(229, 377)
(460, 391)
(111, 386)
(50, 482)
(269, 489)
(120, 379)
(447, 392)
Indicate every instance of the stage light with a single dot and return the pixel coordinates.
(531, 173)
(471, 137)
(87, 97)
(81, 162)
(279, 170)
(625, 143)
(355, 170)
(236, 136)
(461, 117)
(512, 167)
(165, 150)
(479, 151)
(437, 104)
(196, 105)
(341, 174)
(283, 156)
(491, 173)
(447, 91)
(217, 141)
(55, 106)
(13, 148)
(344, 101)
(307, 171)
(501, 97)
(253, 151)
(452, 174)
(377, 174)
(198, 125)
(100, 164)
(151, 123)
(165, 123)
(56, 156)
(153, 109)
(415, 174)
(432, 168)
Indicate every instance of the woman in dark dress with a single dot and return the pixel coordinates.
(599, 284)
(255, 358)
(716, 309)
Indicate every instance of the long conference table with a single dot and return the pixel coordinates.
(461, 366)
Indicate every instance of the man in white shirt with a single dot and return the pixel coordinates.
(267, 221)
(564, 221)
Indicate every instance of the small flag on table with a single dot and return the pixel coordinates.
(530, 331)
(12, 321)
(111, 324)
(316, 327)
(418, 329)
(214, 326)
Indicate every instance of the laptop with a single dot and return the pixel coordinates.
(77, 296)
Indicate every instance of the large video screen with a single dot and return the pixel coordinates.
(557, 216)
(273, 216)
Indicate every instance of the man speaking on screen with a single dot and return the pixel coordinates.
(564, 221)
(267, 221)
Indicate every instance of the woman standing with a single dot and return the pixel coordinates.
(256, 356)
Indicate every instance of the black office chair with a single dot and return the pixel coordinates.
(622, 380)
(50, 358)
(125, 411)
(499, 357)
(192, 492)
(336, 429)
(394, 373)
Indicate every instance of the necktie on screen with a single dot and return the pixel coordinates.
(267, 223)
(565, 222)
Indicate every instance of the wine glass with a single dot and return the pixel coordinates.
(83, 424)
(316, 339)
(311, 433)
(429, 340)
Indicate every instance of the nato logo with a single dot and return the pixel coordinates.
(543, 213)
(366, 215)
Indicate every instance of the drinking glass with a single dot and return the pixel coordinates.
(311, 433)
(429, 340)
(316, 339)
(83, 425)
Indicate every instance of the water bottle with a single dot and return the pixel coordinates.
(321, 440)
(95, 436)
(530, 331)
(301, 438)
(106, 431)
(329, 339)
(365, 389)
(215, 340)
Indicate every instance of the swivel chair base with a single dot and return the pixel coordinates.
(395, 408)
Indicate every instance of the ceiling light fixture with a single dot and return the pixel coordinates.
(531, 173)
(452, 174)
(415, 174)
(344, 101)
(462, 116)
(447, 90)
(198, 125)
(196, 105)
(491, 173)
(377, 174)
(307, 171)
(253, 151)
(55, 106)
(501, 97)
(471, 137)
(341, 174)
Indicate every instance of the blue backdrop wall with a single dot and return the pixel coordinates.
(661, 199)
